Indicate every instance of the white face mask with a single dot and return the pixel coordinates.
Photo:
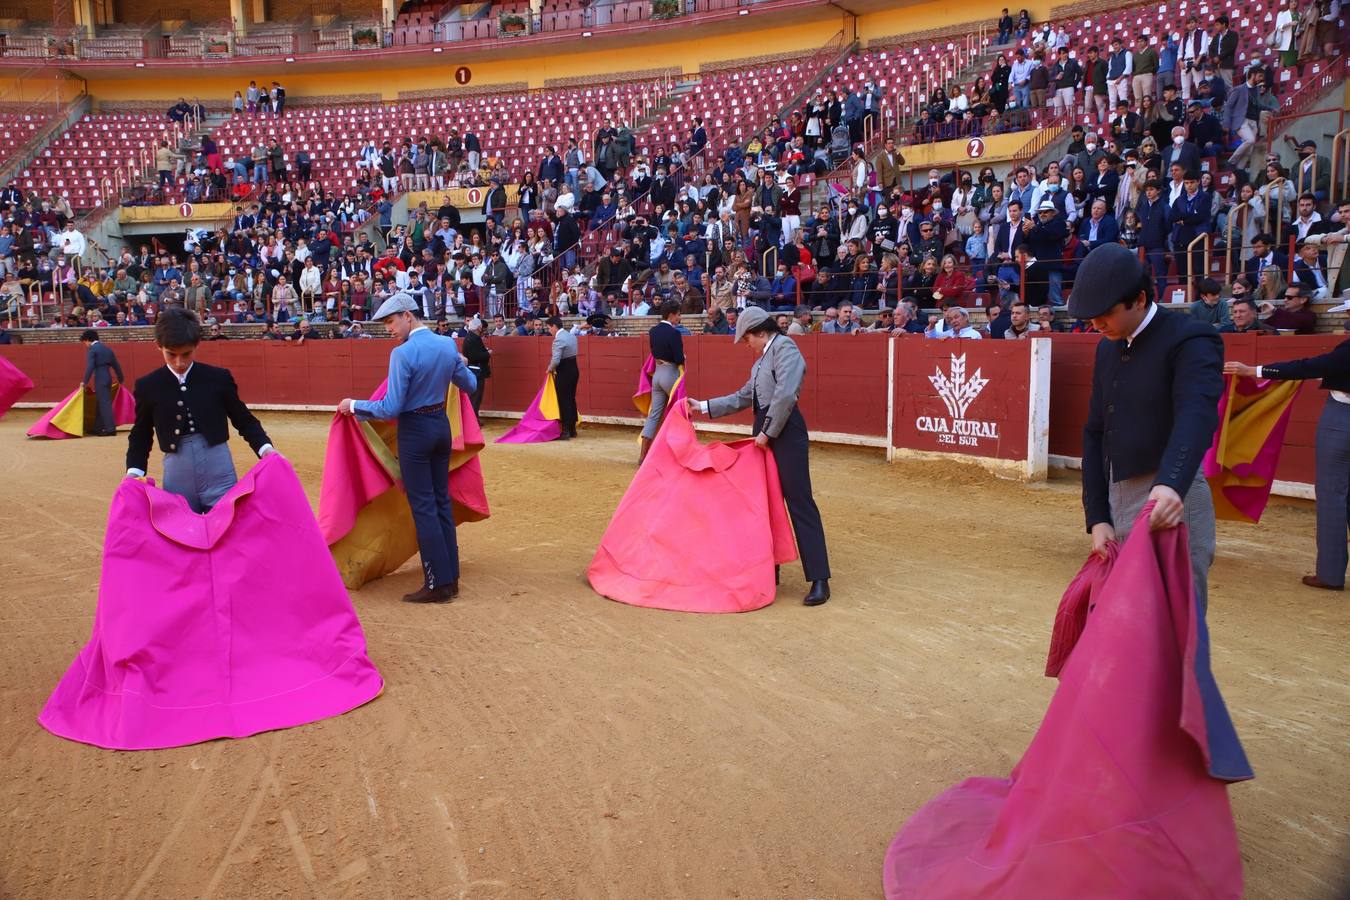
(937, 207)
(1178, 139)
(1091, 147)
(933, 182)
(852, 210)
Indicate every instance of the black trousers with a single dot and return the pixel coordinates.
(791, 451)
(104, 420)
(476, 398)
(565, 379)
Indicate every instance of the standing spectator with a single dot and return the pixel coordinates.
(1005, 27)
(1223, 45)
(1021, 79)
(1167, 62)
(1241, 116)
(1038, 81)
(1191, 217)
(278, 95)
(1119, 69)
(1066, 75)
(1194, 45)
(1096, 92)
(1145, 65)
(165, 163)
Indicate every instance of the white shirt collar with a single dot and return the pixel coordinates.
(1148, 317)
(767, 344)
(182, 379)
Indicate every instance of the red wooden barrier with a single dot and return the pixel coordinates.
(1071, 384)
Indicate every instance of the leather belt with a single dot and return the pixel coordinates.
(428, 410)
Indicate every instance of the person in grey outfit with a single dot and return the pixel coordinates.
(100, 365)
(563, 366)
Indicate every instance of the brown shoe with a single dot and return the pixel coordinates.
(443, 594)
(1314, 582)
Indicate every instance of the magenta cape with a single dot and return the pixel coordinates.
(74, 416)
(1112, 798)
(540, 422)
(363, 510)
(196, 638)
(726, 495)
(1240, 464)
(13, 385)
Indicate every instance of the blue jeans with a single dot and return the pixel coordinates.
(424, 461)
(1022, 94)
(1056, 279)
(260, 174)
(1157, 263)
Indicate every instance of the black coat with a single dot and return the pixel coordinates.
(477, 356)
(1154, 408)
(162, 411)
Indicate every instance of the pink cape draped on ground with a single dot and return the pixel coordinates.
(196, 638)
(13, 385)
(363, 512)
(74, 416)
(1112, 797)
(726, 495)
(537, 425)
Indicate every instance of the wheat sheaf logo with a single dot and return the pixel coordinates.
(958, 391)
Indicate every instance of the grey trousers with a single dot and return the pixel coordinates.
(199, 472)
(1129, 496)
(1333, 491)
(663, 382)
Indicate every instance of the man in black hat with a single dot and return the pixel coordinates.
(1156, 383)
(1153, 411)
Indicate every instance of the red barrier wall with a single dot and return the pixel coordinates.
(844, 390)
(1071, 384)
(922, 419)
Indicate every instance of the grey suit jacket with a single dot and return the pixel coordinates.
(775, 381)
(98, 360)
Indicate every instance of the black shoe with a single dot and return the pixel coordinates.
(443, 594)
(563, 436)
(819, 593)
(572, 432)
(777, 575)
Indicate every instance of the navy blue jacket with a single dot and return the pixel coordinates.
(1191, 217)
(1046, 241)
(1154, 408)
(1108, 232)
(1155, 220)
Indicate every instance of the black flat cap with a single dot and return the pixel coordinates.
(1106, 276)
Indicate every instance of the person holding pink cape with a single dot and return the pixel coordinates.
(563, 367)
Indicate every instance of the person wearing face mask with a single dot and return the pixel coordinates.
(1181, 151)
(1091, 152)
(885, 234)
(856, 223)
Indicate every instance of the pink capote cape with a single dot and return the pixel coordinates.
(1112, 798)
(541, 420)
(13, 385)
(363, 509)
(1240, 463)
(75, 415)
(196, 637)
(725, 495)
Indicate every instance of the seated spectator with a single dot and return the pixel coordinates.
(1310, 275)
(1245, 320)
(1295, 315)
(954, 323)
(951, 286)
(844, 321)
(1210, 309)
(1020, 326)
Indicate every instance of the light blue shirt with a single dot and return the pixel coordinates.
(421, 370)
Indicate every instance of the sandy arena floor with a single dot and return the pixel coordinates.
(535, 740)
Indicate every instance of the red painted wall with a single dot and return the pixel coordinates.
(1001, 402)
(1071, 385)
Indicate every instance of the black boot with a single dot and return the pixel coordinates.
(819, 593)
(442, 594)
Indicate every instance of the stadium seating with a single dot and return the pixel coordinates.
(17, 129)
(76, 164)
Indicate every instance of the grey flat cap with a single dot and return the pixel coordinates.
(1106, 276)
(749, 318)
(400, 302)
